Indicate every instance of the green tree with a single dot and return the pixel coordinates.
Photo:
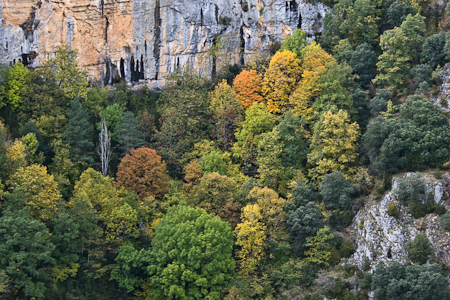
(128, 134)
(295, 43)
(213, 162)
(191, 255)
(355, 21)
(26, 252)
(215, 193)
(378, 103)
(398, 11)
(257, 121)
(12, 88)
(433, 49)
(68, 75)
(269, 163)
(113, 115)
(343, 52)
(400, 50)
(427, 282)
(337, 86)
(319, 247)
(96, 100)
(302, 223)
(336, 191)
(185, 118)
(43, 99)
(363, 63)
(78, 134)
(419, 249)
(227, 113)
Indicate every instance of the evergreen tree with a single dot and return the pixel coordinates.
(78, 133)
(128, 134)
(363, 63)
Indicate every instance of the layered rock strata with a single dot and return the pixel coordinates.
(148, 39)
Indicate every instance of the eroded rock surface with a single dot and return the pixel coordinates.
(376, 231)
(148, 39)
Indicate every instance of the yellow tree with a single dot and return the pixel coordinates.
(315, 60)
(248, 86)
(273, 214)
(334, 145)
(42, 190)
(280, 80)
(251, 237)
(98, 191)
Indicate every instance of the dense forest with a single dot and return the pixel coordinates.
(236, 186)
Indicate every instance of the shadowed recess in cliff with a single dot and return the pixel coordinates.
(157, 38)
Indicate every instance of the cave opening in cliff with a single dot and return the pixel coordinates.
(201, 16)
(142, 68)
(242, 46)
(157, 38)
(299, 25)
(122, 68)
(106, 29)
(132, 70)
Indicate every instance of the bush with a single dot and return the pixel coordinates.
(410, 188)
(444, 222)
(393, 209)
(346, 249)
(335, 258)
(417, 210)
(419, 249)
(366, 264)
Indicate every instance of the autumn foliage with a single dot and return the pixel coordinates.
(143, 172)
(248, 85)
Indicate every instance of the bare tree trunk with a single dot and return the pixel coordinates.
(104, 147)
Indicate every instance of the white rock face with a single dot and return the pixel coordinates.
(149, 39)
(376, 231)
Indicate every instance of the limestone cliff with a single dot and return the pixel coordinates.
(148, 39)
(375, 231)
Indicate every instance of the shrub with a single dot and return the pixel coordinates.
(346, 249)
(419, 249)
(392, 209)
(417, 210)
(335, 258)
(410, 188)
(444, 222)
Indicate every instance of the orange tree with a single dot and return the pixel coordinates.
(143, 172)
(248, 86)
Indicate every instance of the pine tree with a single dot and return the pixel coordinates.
(128, 134)
(78, 133)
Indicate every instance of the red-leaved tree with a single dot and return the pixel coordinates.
(143, 172)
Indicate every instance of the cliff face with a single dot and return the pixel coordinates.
(148, 39)
(376, 231)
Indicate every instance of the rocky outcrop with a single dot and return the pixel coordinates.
(441, 94)
(376, 231)
(149, 39)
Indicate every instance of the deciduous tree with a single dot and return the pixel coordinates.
(227, 113)
(280, 80)
(248, 87)
(334, 145)
(143, 172)
(191, 255)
